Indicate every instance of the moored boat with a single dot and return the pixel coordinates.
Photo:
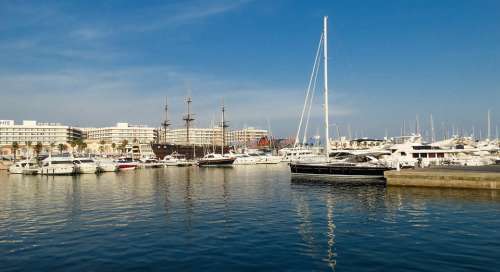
(24, 167)
(213, 159)
(85, 165)
(57, 166)
(126, 164)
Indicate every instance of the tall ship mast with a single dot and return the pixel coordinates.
(223, 128)
(166, 123)
(188, 118)
(187, 147)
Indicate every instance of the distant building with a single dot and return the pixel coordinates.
(121, 132)
(33, 132)
(210, 136)
(246, 135)
(108, 139)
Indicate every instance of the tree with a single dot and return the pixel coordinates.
(28, 144)
(52, 145)
(38, 148)
(83, 146)
(113, 146)
(73, 144)
(15, 147)
(61, 148)
(101, 146)
(124, 145)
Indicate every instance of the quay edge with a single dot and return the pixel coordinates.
(444, 179)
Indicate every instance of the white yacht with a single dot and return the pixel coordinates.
(414, 153)
(176, 159)
(57, 166)
(245, 159)
(290, 154)
(104, 165)
(24, 167)
(150, 163)
(269, 159)
(85, 165)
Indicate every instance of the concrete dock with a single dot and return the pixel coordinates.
(452, 177)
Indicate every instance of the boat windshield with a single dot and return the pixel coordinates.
(86, 161)
(62, 162)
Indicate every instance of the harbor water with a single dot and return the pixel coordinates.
(243, 218)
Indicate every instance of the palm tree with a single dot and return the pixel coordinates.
(38, 149)
(113, 146)
(83, 146)
(101, 147)
(61, 148)
(28, 144)
(73, 143)
(15, 147)
(52, 145)
(124, 145)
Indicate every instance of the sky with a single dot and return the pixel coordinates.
(95, 63)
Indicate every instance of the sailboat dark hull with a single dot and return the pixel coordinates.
(216, 162)
(189, 151)
(338, 170)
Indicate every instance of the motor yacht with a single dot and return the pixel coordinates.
(24, 167)
(57, 166)
(244, 159)
(126, 164)
(150, 163)
(176, 159)
(104, 165)
(85, 165)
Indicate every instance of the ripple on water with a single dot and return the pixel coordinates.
(245, 218)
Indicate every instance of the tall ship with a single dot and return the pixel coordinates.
(190, 149)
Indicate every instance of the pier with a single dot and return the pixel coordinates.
(487, 177)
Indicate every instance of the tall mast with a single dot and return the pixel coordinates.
(166, 122)
(325, 66)
(188, 118)
(489, 125)
(223, 127)
(433, 135)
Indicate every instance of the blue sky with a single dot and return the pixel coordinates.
(94, 63)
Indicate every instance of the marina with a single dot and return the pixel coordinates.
(249, 136)
(236, 218)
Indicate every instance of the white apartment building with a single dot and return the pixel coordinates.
(246, 135)
(197, 136)
(34, 132)
(211, 136)
(120, 132)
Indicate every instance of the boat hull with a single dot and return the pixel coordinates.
(341, 171)
(216, 162)
(53, 171)
(189, 151)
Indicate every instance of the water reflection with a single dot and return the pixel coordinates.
(237, 219)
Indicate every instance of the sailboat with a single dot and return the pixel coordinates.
(214, 159)
(353, 167)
